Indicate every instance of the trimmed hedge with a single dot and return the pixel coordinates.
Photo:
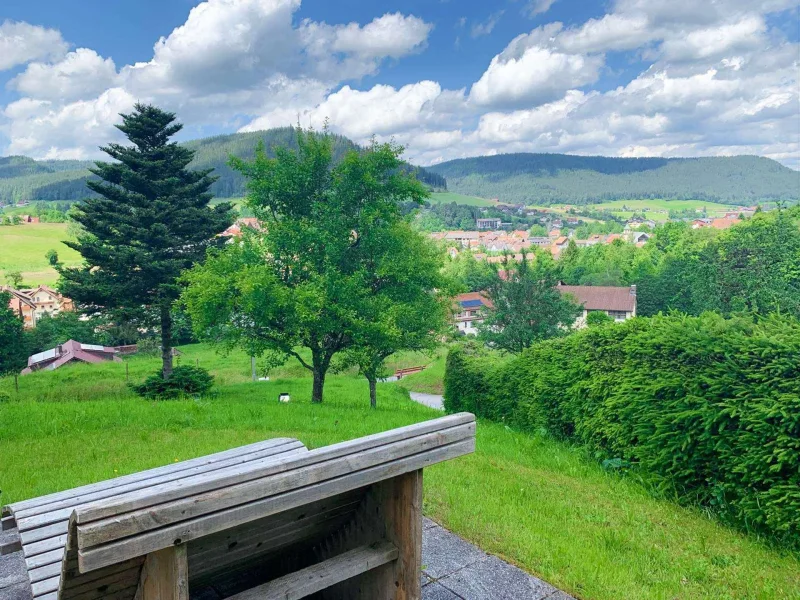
(185, 380)
(709, 406)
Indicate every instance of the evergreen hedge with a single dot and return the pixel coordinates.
(710, 407)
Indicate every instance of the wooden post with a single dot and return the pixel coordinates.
(16, 382)
(253, 367)
(197, 362)
(403, 513)
(165, 575)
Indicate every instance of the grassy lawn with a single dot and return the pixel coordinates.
(22, 248)
(448, 197)
(658, 210)
(540, 504)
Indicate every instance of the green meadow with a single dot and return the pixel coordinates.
(448, 197)
(23, 248)
(543, 505)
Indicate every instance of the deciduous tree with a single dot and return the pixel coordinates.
(526, 306)
(302, 280)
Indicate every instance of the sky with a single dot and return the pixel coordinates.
(445, 78)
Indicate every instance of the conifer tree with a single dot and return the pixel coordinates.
(150, 222)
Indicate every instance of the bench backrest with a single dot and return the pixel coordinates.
(42, 522)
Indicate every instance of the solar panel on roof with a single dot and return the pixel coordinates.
(94, 347)
(471, 303)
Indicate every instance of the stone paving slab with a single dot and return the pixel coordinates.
(458, 570)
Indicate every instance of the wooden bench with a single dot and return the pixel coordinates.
(400, 373)
(342, 521)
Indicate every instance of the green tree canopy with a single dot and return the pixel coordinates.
(321, 259)
(150, 221)
(13, 356)
(527, 307)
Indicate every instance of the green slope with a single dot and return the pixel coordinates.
(559, 178)
(22, 178)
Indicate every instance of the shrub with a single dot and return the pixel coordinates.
(708, 406)
(5, 396)
(148, 346)
(185, 380)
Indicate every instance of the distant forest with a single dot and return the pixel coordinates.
(22, 178)
(542, 179)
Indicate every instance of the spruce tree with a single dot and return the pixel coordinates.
(150, 221)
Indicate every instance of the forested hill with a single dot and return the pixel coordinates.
(562, 178)
(23, 178)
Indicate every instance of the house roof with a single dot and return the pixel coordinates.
(472, 300)
(19, 295)
(601, 297)
(72, 350)
(560, 240)
(724, 223)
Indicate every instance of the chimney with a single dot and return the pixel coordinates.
(633, 290)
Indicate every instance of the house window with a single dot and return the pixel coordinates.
(617, 315)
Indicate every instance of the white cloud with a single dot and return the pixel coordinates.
(80, 74)
(537, 7)
(231, 61)
(716, 78)
(538, 75)
(21, 43)
(486, 27)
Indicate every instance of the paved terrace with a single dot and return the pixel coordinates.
(452, 569)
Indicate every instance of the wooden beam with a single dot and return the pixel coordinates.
(165, 575)
(323, 575)
(138, 545)
(7, 523)
(198, 485)
(403, 513)
(289, 476)
(10, 547)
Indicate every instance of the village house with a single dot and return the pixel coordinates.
(483, 224)
(236, 229)
(33, 304)
(70, 351)
(468, 310)
(619, 303)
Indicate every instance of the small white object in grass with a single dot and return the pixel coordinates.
(284, 397)
(263, 378)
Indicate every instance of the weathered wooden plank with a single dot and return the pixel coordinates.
(403, 517)
(45, 572)
(201, 484)
(165, 574)
(122, 584)
(45, 586)
(318, 577)
(45, 559)
(106, 530)
(45, 545)
(7, 523)
(180, 533)
(143, 475)
(61, 510)
(43, 533)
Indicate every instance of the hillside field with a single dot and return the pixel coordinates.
(658, 209)
(448, 197)
(22, 248)
(536, 502)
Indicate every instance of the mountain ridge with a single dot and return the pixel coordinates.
(532, 178)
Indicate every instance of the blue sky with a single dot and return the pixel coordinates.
(445, 78)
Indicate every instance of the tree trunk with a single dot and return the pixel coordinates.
(166, 341)
(319, 384)
(373, 392)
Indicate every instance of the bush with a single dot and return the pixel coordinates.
(185, 380)
(708, 406)
(5, 396)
